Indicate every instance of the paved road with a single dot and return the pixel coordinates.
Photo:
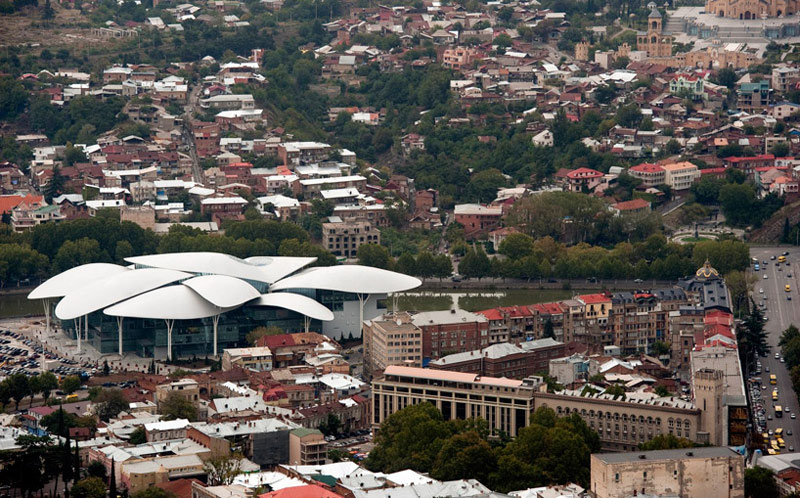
(781, 313)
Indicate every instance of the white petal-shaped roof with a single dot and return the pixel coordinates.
(222, 290)
(262, 269)
(74, 278)
(102, 293)
(174, 302)
(349, 278)
(295, 302)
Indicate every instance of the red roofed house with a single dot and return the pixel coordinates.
(650, 174)
(749, 164)
(634, 206)
(583, 179)
(308, 491)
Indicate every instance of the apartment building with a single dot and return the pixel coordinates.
(680, 176)
(188, 389)
(712, 472)
(391, 340)
(451, 331)
(258, 359)
(504, 403)
(640, 318)
(477, 219)
(343, 238)
(307, 447)
(650, 174)
(504, 359)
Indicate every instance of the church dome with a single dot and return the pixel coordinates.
(707, 271)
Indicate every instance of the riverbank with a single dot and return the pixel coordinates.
(490, 284)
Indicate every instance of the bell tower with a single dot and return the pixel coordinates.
(654, 19)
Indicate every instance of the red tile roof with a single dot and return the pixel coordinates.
(548, 308)
(632, 205)
(182, 488)
(582, 173)
(492, 314)
(646, 168)
(594, 298)
(9, 202)
(308, 491)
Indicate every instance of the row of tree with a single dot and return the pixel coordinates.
(51, 248)
(549, 450)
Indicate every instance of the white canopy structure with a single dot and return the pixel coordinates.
(266, 269)
(222, 291)
(195, 285)
(174, 302)
(355, 279)
(113, 289)
(310, 309)
(65, 282)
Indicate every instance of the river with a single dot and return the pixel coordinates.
(473, 300)
(17, 304)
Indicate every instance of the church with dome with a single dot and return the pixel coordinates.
(707, 288)
(752, 9)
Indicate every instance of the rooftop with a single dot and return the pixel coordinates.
(678, 454)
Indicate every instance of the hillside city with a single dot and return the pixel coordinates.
(434, 248)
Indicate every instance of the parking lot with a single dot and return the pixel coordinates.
(21, 355)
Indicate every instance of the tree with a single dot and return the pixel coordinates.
(406, 264)
(409, 439)
(138, 436)
(176, 407)
(660, 348)
(331, 426)
(516, 246)
(758, 482)
(465, 456)
(19, 388)
(97, 469)
(91, 487)
(374, 255)
(109, 403)
(662, 391)
(45, 382)
(257, 333)
(35, 465)
(153, 492)
(629, 116)
(483, 185)
(475, 264)
(666, 442)
(70, 384)
(726, 77)
(548, 329)
(222, 469)
(55, 186)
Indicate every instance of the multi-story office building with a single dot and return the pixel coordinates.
(391, 340)
(621, 423)
(506, 404)
(451, 331)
